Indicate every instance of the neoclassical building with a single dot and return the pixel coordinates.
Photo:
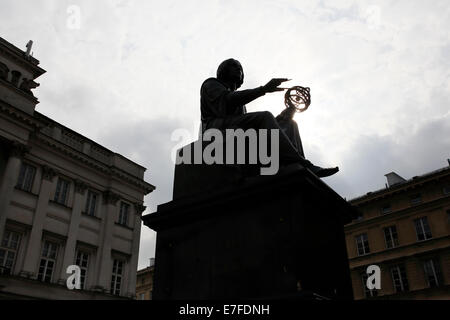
(64, 200)
(405, 230)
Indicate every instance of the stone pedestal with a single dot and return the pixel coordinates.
(266, 237)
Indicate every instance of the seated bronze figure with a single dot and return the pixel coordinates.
(223, 107)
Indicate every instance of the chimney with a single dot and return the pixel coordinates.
(393, 179)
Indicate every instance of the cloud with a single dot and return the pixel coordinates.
(147, 142)
(408, 153)
(379, 74)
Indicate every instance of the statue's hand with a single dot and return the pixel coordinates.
(272, 85)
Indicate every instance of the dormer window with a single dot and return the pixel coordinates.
(446, 190)
(386, 209)
(416, 199)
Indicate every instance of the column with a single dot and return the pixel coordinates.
(9, 181)
(104, 268)
(34, 244)
(139, 210)
(75, 219)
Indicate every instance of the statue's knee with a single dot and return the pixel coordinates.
(267, 117)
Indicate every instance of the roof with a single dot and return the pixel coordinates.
(401, 185)
(19, 55)
(146, 270)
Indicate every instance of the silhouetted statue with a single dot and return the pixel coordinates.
(223, 107)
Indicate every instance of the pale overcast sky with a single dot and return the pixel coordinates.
(131, 73)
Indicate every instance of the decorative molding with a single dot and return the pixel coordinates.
(140, 208)
(107, 169)
(18, 115)
(18, 56)
(125, 257)
(126, 227)
(80, 187)
(58, 218)
(110, 197)
(82, 226)
(48, 173)
(49, 235)
(38, 122)
(27, 274)
(18, 150)
(22, 206)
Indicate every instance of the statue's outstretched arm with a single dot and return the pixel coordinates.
(240, 98)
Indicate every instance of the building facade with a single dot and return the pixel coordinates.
(144, 283)
(64, 200)
(405, 230)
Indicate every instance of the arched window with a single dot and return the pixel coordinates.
(3, 71)
(15, 78)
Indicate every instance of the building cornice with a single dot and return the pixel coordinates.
(93, 163)
(400, 188)
(48, 173)
(80, 186)
(35, 125)
(394, 215)
(19, 115)
(139, 208)
(18, 57)
(110, 197)
(18, 149)
(22, 93)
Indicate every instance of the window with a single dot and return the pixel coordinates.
(367, 292)
(62, 191)
(446, 190)
(362, 244)
(3, 71)
(433, 273)
(142, 297)
(26, 177)
(83, 262)
(91, 203)
(15, 77)
(48, 261)
(399, 278)
(391, 237)
(123, 215)
(386, 209)
(422, 229)
(8, 251)
(416, 199)
(116, 279)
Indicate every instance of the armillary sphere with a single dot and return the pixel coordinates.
(298, 98)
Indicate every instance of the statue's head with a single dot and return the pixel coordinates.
(231, 73)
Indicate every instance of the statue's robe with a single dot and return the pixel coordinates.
(223, 109)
